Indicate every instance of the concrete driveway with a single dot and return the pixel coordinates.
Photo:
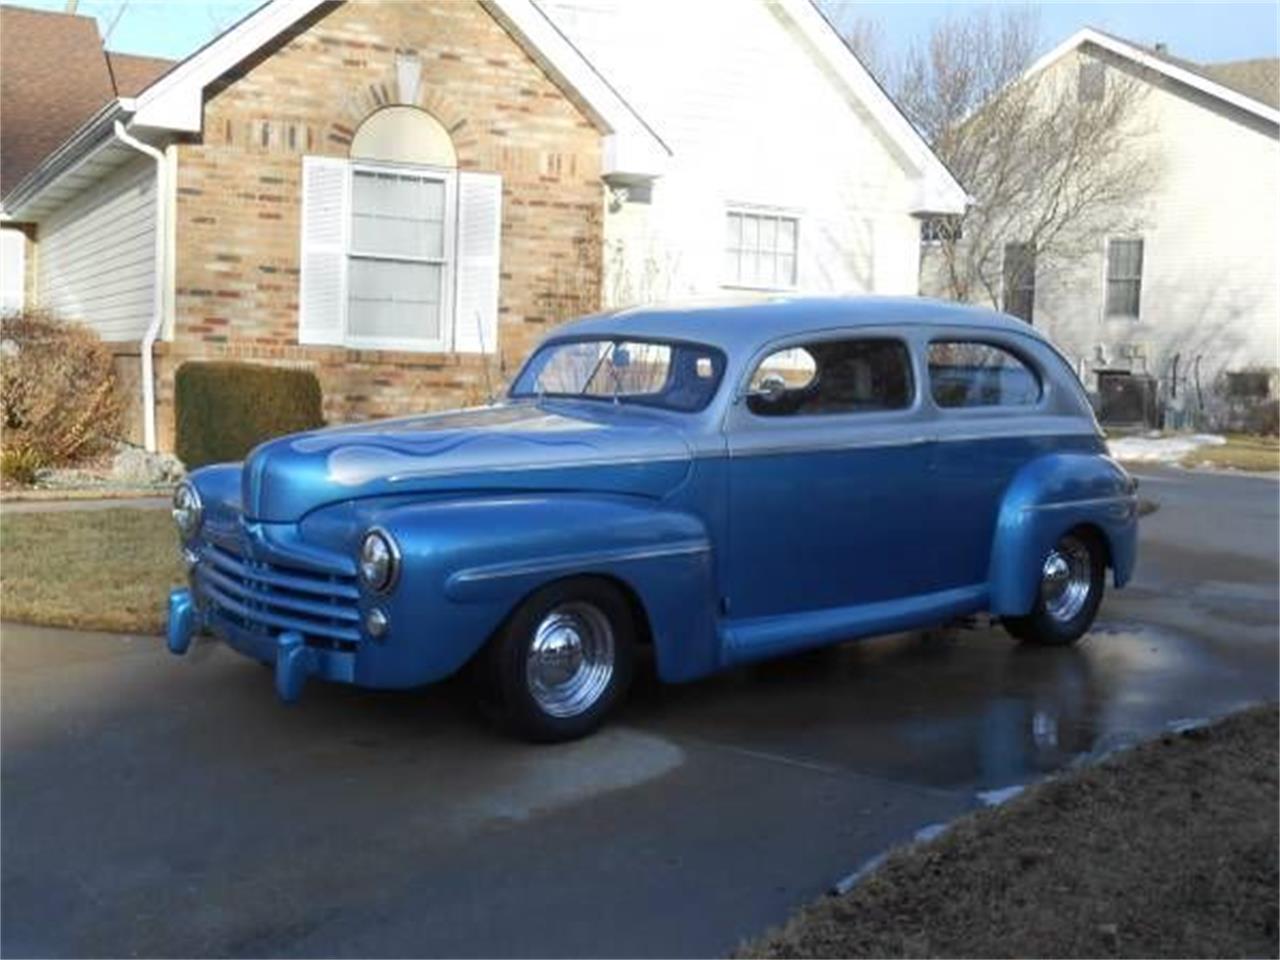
(157, 806)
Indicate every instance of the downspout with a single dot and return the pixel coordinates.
(157, 309)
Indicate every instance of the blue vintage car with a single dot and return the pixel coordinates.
(721, 483)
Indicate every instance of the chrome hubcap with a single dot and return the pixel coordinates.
(570, 660)
(1066, 579)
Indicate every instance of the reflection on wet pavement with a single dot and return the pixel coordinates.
(1194, 636)
(965, 709)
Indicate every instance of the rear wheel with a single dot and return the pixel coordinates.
(562, 661)
(1072, 580)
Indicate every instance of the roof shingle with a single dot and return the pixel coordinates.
(133, 73)
(54, 78)
(1258, 79)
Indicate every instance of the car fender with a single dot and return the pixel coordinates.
(1048, 497)
(467, 564)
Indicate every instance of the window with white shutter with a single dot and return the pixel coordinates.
(479, 240)
(399, 257)
(322, 297)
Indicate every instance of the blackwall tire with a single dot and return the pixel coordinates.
(562, 661)
(1072, 582)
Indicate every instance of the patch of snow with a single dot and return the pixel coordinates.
(993, 798)
(1183, 724)
(851, 880)
(848, 882)
(927, 833)
(1158, 448)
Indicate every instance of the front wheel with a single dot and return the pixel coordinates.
(1072, 579)
(562, 661)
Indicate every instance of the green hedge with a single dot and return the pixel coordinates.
(224, 410)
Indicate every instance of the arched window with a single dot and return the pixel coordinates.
(402, 199)
(399, 246)
(404, 135)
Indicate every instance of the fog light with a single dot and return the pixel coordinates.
(190, 558)
(376, 623)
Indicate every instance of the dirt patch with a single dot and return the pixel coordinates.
(1169, 849)
(89, 569)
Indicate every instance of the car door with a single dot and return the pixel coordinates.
(988, 395)
(828, 463)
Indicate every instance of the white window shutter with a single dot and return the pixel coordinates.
(326, 215)
(479, 239)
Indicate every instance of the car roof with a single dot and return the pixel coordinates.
(735, 325)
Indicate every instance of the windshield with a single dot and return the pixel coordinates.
(674, 376)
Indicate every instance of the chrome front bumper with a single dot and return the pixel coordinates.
(288, 650)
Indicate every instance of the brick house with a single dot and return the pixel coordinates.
(405, 197)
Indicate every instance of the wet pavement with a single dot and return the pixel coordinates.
(157, 806)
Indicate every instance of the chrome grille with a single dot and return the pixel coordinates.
(273, 598)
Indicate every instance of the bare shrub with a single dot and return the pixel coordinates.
(58, 400)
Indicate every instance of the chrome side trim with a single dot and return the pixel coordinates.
(773, 449)
(799, 447)
(1119, 498)
(576, 561)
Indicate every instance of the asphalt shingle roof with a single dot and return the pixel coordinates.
(54, 75)
(133, 73)
(1259, 78)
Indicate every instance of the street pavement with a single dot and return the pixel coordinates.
(158, 806)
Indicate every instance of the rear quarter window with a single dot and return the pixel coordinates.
(970, 373)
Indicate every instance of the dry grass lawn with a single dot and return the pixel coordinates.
(1167, 850)
(1240, 452)
(89, 569)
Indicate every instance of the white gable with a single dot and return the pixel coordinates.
(761, 121)
(736, 74)
(1160, 65)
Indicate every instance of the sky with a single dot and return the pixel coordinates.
(1197, 31)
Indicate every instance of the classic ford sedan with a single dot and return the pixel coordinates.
(721, 483)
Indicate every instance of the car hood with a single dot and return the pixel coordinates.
(511, 447)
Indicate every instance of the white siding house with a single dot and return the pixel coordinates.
(97, 258)
(791, 169)
(1191, 294)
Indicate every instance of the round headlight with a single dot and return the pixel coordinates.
(187, 510)
(379, 560)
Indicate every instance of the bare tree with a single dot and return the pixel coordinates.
(1050, 167)
(865, 37)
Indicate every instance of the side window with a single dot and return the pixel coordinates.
(833, 376)
(964, 373)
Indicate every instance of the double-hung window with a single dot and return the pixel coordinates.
(398, 257)
(1124, 278)
(760, 249)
